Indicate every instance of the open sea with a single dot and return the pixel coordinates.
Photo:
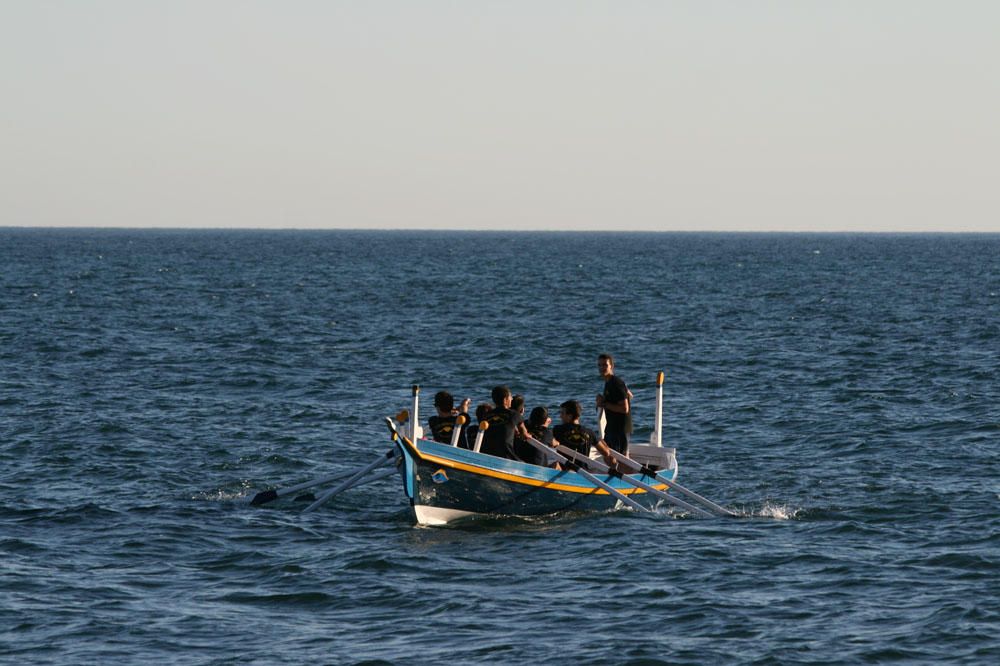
(841, 392)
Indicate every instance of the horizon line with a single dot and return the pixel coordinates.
(501, 231)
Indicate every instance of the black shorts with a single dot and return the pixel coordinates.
(617, 441)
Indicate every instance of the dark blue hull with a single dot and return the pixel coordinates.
(445, 483)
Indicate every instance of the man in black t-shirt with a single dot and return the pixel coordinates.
(504, 422)
(522, 449)
(616, 401)
(443, 425)
(537, 426)
(572, 435)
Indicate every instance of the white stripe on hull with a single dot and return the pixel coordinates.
(432, 515)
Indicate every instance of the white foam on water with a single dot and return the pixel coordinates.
(219, 495)
(225, 494)
(777, 511)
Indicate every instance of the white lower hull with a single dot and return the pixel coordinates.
(432, 515)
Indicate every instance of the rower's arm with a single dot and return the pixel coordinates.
(605, 452)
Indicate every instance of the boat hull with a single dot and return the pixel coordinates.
(446, 484)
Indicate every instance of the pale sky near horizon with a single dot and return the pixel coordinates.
(699, 115)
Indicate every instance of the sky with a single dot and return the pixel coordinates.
(623, 115)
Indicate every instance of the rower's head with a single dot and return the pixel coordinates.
(605, 365)
(502, 397)
(538, 417)
(444, 402)
(517, 403)
(570, 411)
(483, 410)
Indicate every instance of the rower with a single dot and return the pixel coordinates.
(571, 434)
(483, 410)
(538, 427)
(443, 425)
(504, 423)
(525, 452)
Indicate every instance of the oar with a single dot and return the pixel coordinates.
(265, 496)
(322, 499)
(601, 467)
(415, 424)
(309, 497)
(624, 499)
(657, 437)
(457, 430)
(648, 471)
(395, 434)
(483, 425)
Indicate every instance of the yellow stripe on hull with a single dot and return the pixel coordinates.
(485, 471)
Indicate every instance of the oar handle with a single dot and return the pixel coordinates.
(483, 425)
(457, 430)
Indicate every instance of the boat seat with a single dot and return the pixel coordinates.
(657, 457)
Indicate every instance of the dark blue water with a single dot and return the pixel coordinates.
(840, 391)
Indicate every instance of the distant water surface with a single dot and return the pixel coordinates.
(840, 391)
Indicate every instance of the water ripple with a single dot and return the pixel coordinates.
(837, 391)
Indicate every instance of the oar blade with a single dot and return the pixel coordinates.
(264, 497)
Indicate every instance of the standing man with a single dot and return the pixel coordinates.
(616, 403)
(504, 423)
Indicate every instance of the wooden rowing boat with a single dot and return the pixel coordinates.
(446, 483)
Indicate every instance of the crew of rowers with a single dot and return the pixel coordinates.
(508, 432)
